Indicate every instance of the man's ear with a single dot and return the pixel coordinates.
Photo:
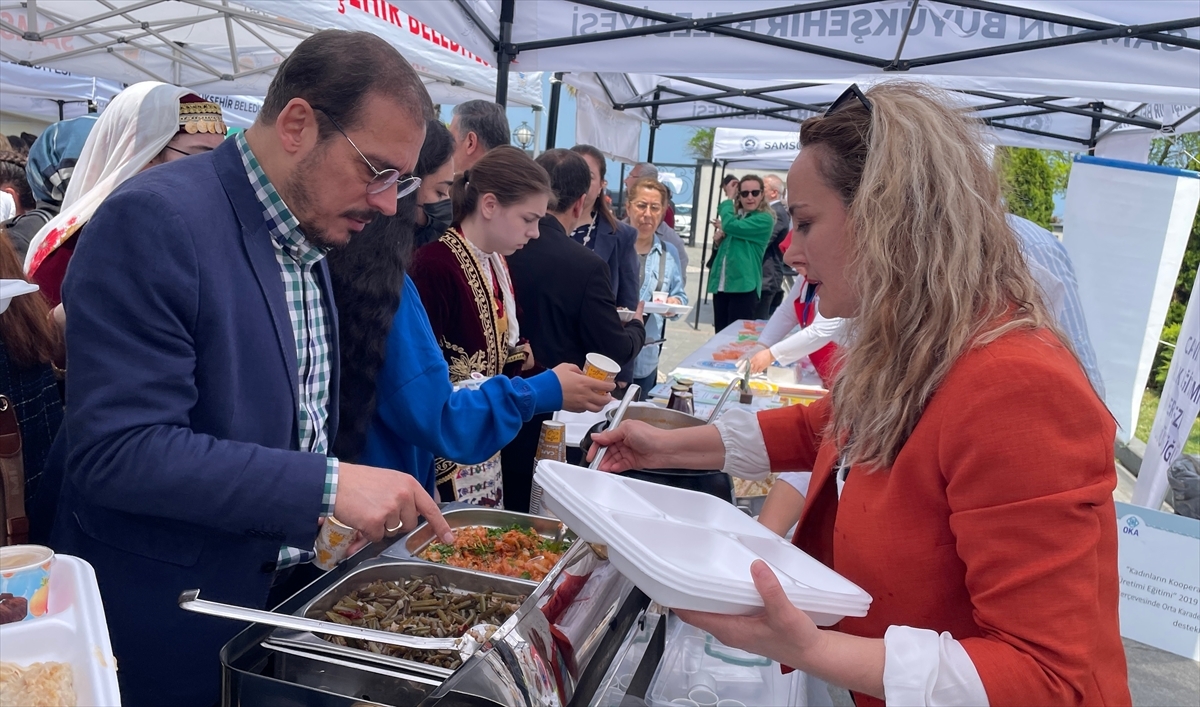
(579, 208)
(296, 126)
(472, 142)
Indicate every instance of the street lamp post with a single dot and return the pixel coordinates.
(523, 135)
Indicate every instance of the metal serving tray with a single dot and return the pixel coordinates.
(388, 570)
(419, 539)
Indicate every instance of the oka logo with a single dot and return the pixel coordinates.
(1131, 526)
(750, 144)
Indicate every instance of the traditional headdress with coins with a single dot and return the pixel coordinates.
(197, 115)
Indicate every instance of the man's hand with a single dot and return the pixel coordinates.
(640, 311)
(371, 500)
(581, 393)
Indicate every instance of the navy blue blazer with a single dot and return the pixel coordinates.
(179, 442)
(616, 249)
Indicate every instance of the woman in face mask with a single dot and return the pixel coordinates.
(435, 167)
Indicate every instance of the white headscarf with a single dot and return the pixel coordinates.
(135, 127)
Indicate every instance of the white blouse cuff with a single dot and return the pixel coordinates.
(922, 667)
(745, 451)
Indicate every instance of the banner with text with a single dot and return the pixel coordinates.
(1159, 564)
(1177, 409)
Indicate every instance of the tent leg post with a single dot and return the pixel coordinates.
(504, 53)
(653, 127)
(552, 115)
(700, 294)
(1095, 138)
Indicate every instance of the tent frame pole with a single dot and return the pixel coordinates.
(552, 114)
(653, 127)
(505, 51)
(701, 295)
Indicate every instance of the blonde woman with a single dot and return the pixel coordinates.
(746, 224)
(994, 579)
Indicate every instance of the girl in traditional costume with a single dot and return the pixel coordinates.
(464, 284)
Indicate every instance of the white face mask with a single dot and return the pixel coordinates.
(8, 206)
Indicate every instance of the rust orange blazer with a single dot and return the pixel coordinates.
(996, 523)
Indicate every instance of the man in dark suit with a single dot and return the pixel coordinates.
(566, 302)
(203, 380)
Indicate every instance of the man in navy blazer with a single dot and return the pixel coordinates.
(202, 343)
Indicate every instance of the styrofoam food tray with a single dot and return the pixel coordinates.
(73, 631)
(697, 591)
(688, 550)
(612, 494)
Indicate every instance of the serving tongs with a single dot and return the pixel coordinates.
(466, 645)
(742, 383)
(631, 394)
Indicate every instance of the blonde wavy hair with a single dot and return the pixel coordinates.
(935, 266)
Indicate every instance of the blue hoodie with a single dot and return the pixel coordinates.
(419, 415)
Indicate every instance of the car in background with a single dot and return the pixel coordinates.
(683, 220)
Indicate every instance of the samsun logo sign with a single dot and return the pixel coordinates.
(750, 144)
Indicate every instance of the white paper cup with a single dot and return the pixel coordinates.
(660, 296)
(24, 582)
(333, 542)
(600, 367)
(698, 679)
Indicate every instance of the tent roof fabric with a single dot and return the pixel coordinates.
(230, 48)
(1040, 71)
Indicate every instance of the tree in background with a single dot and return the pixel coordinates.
(700, 145)
(1029, 183)
(1179, 151)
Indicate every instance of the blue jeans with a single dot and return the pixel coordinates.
(646, 384)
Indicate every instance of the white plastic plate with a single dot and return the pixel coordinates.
(73, 631)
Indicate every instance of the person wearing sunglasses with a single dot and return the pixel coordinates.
(994, 580)
(204, 358)
(735, 280)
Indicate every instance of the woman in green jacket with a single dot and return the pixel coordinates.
(736, 278)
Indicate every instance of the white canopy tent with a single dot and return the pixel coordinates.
(223, 48)
(1146, 51)
(47, 95)
(1049, 122)
(1059, 74)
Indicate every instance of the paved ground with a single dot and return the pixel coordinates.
(1156, 678)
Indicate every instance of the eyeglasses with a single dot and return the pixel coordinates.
(646, 206)
(382, 180)
(751, 192)
(852, 92)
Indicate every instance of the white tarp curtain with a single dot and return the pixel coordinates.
(731, 111)
(862, 38)
(1126, 228)
(224, 48)
(34, 92)
(615, 134)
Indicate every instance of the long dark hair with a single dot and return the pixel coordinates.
(601, 206)
(29, 336)
(368, 276)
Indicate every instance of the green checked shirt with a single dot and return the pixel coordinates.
(297, 263)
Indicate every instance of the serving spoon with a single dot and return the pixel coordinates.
(466, 645)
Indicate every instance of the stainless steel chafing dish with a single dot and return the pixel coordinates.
(525, 663)
(416, 541)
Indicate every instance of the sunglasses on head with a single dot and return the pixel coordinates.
(751, 192)
(847, 96)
